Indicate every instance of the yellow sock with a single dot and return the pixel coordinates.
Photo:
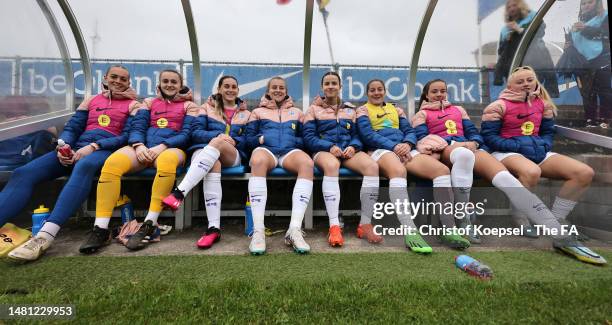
(109, 184)
(167, 162)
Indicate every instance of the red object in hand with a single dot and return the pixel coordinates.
(282, 2)
(64, 149)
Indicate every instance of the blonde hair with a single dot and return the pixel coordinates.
(543, 92)
(522, 6)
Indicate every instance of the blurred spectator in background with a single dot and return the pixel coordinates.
(587, 58)
(518, 16)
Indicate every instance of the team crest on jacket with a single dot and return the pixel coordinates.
(527, 128)
(162, 123)
(104, 120)
(293, 126)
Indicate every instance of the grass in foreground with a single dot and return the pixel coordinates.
(531, 287)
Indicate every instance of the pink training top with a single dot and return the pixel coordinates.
(108, 115)
(166, 114)
(520, 118)
(444, 122)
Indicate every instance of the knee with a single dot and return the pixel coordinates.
(397, 171)
(585, 175)
(117, 164)
(530, 177)
(330, 166)
(307, 166)
(86, 166)
(167, 162)
(258, 161)
(216, 143)
(371, 169)
(463, 155)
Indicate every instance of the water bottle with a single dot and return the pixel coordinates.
(127, 209)
(39, 217)
(64, 149)
(248, 218)
(473, 267)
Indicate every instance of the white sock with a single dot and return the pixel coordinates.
(152, 215)
(398, 191)
(562, 207)
(301, 196)
(48, 231)
(442, 193)
(201, 164)
(212, 199)
(102, 222)
(258, 195)
(462, 173)
(525, 201)
(331, 196)
(369, 197)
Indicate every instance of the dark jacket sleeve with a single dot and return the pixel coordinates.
(299, 136)
(547, 132)
(240, 138)
(355, 140)
(370, 137)
(471, 132)
(490, 131)
(181, 139)
(139, 127)
(74, 127)
(253, 133)
(421, 131)
(114, 143)
(410, 136)
(200, 133)
(311, 139)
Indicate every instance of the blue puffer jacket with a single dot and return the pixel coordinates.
(162, 122)
(75, 131)
(326, 126)
(210, 124)
(384, 127)
(512, 124)
(280, 126)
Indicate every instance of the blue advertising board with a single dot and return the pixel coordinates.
(462, 85)
(253, 79)
(46, 78)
